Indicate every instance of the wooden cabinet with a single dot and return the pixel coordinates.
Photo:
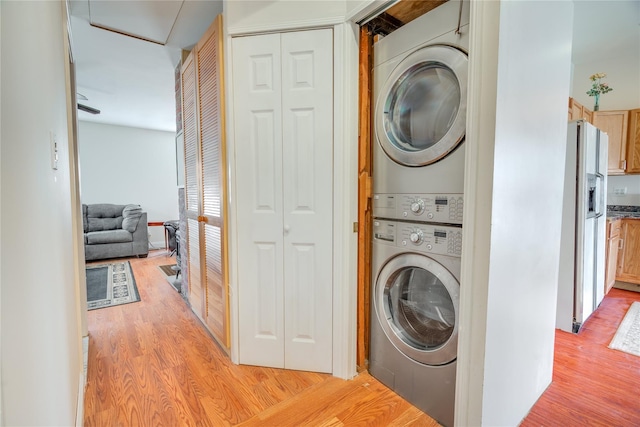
(614, 228)
(633, 142)
(587, 115)
(577, 111)
(614, 123)
(629, 255)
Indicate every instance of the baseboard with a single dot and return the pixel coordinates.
(156, 245)
(82, 383)
(627, 286)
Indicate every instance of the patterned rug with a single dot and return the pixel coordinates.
(110, 284)
(627, 338)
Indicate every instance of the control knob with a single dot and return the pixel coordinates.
(416, 236)
(417, 206)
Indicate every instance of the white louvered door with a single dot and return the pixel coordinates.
(203, 115)
(283, 125)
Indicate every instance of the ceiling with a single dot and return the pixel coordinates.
(126, 54)
(605, 29)
(130, 78)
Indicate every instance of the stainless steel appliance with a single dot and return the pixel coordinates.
(414, 321)
(581, 278)
(420, 87)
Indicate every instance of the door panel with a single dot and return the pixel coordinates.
(196, 294)
(210, 115)
(257, 91)
(308, 176)
(284, 154)
(203, 124)
(216, 295)
(192, 192)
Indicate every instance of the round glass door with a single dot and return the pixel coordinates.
(417, 306)
(421, 112)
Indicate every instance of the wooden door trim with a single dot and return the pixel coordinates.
(364, 196)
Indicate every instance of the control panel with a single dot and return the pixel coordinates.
(440, 208)
(442, 240)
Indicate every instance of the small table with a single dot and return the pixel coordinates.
(160, 224)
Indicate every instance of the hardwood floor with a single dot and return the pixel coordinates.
(592, 384)
(152, 363)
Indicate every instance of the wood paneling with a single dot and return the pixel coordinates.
(152, 363)
(592, 384)
(408, 10)
(364, 195)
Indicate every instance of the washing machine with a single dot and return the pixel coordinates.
(420, 89)
(414, 318)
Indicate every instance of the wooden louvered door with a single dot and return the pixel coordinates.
(192, 187)
(212, 154)
(205, 185)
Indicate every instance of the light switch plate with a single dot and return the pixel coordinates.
(54, 150)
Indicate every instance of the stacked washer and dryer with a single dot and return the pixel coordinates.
(420, 90)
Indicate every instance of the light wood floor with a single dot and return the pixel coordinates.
(152, 363)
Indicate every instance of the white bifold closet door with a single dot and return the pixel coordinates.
(283, 125)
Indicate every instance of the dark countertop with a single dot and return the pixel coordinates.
(621, 215)
(622, 211)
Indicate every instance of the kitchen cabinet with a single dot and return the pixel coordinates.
(633, 142)
(614, 123)
(577, 111)
(629, 255)
(614, 228)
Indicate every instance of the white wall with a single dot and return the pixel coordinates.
(512, 231)
(256, 15)
(124, 165)
(622, 75)
(629, 182)
(41, 346)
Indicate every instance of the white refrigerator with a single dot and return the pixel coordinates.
(582, 247)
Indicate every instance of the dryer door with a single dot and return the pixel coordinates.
(421, 109)
(416, 302)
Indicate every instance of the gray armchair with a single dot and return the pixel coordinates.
(113, 231)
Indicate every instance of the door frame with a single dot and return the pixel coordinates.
(345, 190)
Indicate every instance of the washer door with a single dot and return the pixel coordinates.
(416, 301)
(421, 109)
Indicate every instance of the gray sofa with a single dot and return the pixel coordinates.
(113, 231)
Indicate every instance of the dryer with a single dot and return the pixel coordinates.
(420, 90)
(414, 318)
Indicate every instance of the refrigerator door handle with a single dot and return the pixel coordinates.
(600, 197)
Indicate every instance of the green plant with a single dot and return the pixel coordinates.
(597, 86)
